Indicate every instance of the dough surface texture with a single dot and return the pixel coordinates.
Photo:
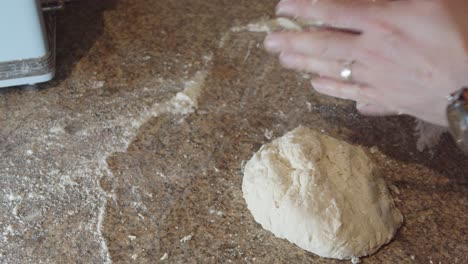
(321, 194)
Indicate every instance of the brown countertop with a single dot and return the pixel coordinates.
(108, 164)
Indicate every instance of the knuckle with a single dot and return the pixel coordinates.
(383, 23)
(367, 54)
(386, 27)
(372, 94)
(309, 65)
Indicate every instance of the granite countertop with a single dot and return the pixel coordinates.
(134, 152)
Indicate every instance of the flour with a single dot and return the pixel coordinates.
(186, 238)
(164, 257)
(321, 194)
(281, 23)
(182, 103)
(70, 182)
(218, 213)
(428, 135)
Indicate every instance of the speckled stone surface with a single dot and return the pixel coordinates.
(92, 173)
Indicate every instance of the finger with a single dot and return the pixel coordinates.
(338, 13)
(321, 66)
(374, 109)
(328, 44)
(344, 90)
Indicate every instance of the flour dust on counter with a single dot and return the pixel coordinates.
(322, 194)
(276, 24)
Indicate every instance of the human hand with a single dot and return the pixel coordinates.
(408, 55)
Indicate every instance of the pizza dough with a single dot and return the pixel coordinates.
(321, 194)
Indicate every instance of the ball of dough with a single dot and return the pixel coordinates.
(321, 194)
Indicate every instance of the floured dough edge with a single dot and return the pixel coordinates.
(385, 215)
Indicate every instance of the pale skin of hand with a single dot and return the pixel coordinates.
(408, 57)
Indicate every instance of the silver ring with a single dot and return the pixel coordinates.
(346, 72)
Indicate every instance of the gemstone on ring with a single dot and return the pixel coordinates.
(346, 72)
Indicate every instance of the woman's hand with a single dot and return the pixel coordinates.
(408, 55)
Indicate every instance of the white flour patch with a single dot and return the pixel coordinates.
(309, 106)
(268, 134)
(249, 49)
(97, 84)
(64, 192)
(267, 25)
(260, 26)
(164, 257)
(13, 197)
(182, 103)
(428, 135)
(186, 238)
(102, 240)
(216, 212)
(223, 40)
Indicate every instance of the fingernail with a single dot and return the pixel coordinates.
(362, 108)
(360, 105)
(318, 86)
(288, 60)
(284, 7)
(272, 43)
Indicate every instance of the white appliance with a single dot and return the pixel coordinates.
(27, 44)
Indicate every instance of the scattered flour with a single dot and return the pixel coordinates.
(182, 103)
(268, 134)
(164, 257)
(280, 23)
(50, 187)
(269, 25)
(186, 238)
(309, 106)
(97, 84)
(428, 135)
(218, 213)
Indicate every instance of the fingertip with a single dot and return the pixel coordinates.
(318, 82)
(319, 85)
(362, 108)
(286, 8)
(368, 109)
(291, 61)
(272, 43)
